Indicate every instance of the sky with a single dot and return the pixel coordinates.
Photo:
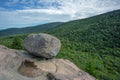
(23, 13)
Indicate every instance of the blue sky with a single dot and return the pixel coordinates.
(22, 13)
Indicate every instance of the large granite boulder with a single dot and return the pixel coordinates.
(43, 45)
(19, 65)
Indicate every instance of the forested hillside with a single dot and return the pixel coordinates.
(27, 30)
(93, 44)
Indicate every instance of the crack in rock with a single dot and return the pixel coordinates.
(50, 76)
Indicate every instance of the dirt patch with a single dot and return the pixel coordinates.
(29, 69)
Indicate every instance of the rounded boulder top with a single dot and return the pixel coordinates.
(42, 45)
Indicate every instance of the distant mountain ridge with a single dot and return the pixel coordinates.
(27, 30)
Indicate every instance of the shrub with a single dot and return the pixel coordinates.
(17, 43)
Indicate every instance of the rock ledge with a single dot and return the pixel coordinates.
(18, 65)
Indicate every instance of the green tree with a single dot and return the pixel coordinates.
(17, 43)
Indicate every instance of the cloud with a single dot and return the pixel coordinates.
(46, 11)
(75, 8)
(42, 11)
